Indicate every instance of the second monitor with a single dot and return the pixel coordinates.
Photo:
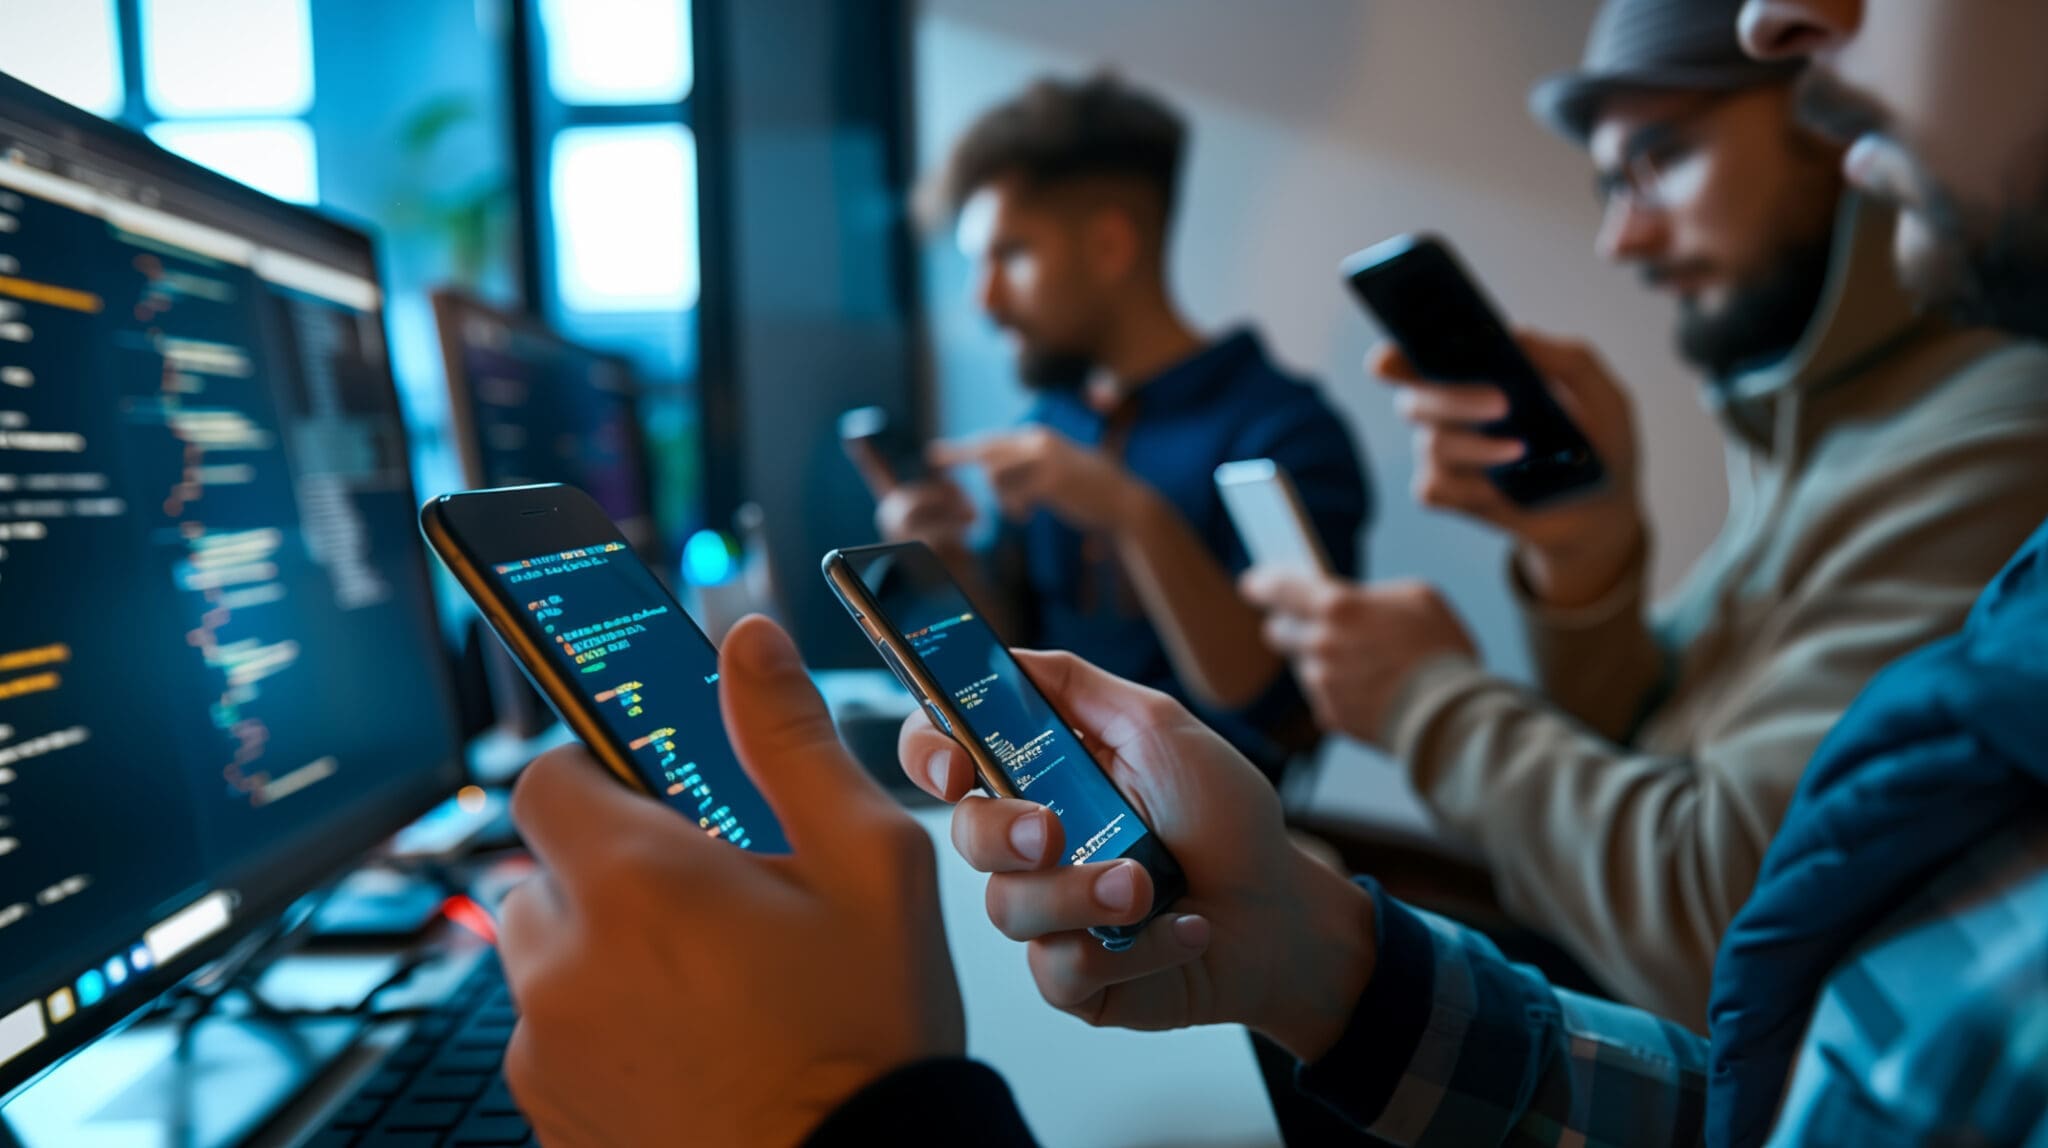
(530, 406)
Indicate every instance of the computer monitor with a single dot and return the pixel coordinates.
(530, 406)
(220, 679)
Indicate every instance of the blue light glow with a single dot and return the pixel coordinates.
(707, 559)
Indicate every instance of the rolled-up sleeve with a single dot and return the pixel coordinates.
(1451, 1044)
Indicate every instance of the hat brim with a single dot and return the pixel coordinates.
(1568, 103)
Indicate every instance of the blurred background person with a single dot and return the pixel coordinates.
(1888, 462)
(1114, 544)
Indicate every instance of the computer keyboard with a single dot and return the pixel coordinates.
(442, 1086)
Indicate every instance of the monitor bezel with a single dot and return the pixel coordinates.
(306, 867)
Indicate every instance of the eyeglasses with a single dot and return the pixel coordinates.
(1665, 165)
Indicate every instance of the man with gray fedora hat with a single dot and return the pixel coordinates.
(1884, 462)
(1652, 45)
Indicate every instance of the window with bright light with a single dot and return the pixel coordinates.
(227, 57)
(618, 51)
(275, 157)
(68, 48)
(625, 211)
(226, 84)
(614, 167)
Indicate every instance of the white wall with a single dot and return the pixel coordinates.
(1321, 126)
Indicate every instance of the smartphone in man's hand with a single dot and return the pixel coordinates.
(1442, 321)
(606, 644)
(884, 455)
(938, 645)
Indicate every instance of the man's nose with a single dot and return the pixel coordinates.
(1796, 29)
(990, 291)
(1631, 231)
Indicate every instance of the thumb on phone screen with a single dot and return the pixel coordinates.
(784, 736)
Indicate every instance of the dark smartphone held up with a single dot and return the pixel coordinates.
(884, 455)
(606, 644)
(935, 641)
(1442, 321)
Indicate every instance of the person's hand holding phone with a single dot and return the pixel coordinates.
(1266, 936)
(933, 510)
(1572, 552)
(1038, 467)
(673, 988)
(875, 470)
(1354, 647)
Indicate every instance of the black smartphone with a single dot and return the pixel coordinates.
(873, 441)
(606, 644)
(930, 635)
(1441, 319)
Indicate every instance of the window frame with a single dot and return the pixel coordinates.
(137, 113)
(538, 116)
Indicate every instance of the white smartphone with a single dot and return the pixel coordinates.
(1267, 511)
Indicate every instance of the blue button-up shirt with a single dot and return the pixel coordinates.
(1226, 403)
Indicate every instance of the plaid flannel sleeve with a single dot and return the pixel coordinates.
(1453, 1045)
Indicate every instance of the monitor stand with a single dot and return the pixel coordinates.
(213, 1084)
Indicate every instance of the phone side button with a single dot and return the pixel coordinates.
(902, 675)
(939, 719)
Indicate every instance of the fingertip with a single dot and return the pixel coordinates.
(569, 765)
(1386, 360)
(1253, 585)
(1029, 835)
(566, 798)
(788, 744)
(1124, 890)
(758, 647)
(1407, 400)
(764, 687)
(566, 755)
(1041, 659)
(920, 749)
(1006, 835)
(950, 781)
(1191, 931)
(1278, 634)
(934, 779)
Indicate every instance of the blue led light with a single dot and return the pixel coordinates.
(707, 558)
